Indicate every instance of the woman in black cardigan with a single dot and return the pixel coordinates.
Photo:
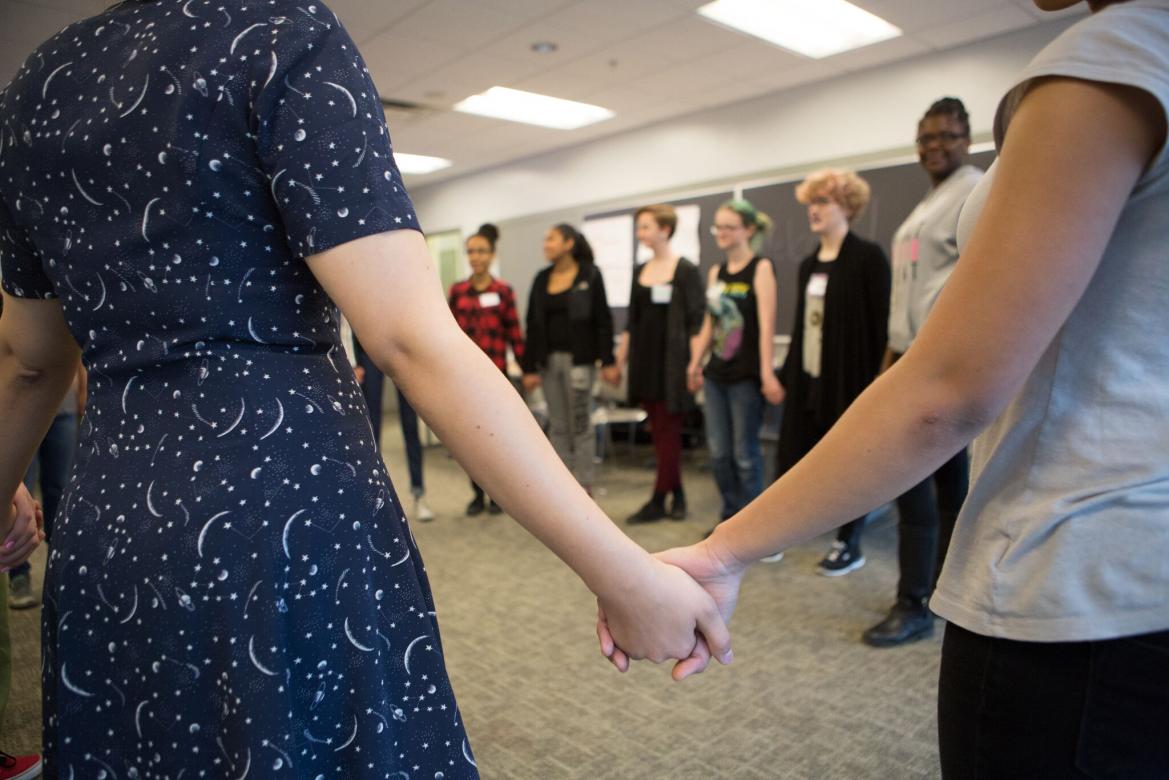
(666, 307)
(842, 317)
(570, 330)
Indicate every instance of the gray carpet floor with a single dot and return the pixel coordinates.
(804, 698)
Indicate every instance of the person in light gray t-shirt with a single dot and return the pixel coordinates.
(925, 251)
(1049, 341)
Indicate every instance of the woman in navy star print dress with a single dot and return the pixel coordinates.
(185, 190)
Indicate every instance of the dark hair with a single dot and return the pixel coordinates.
(487, 232)
(581, 251)
(952, 107)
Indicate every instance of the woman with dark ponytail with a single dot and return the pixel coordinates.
(570, 330)
(484, 306)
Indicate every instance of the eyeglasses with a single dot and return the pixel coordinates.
(716, 229)
(945, 138)
(478, 251)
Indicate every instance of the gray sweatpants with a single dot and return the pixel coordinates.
(568, 391)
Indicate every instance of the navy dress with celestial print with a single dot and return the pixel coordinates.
(233, 590)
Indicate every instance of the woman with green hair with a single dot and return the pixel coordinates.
(737, 331)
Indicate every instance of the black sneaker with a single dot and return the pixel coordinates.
(908, 621)
(678, 507)
(840, 560)
(494, 508)
(20, 595)
(652, 511)
(476, 506)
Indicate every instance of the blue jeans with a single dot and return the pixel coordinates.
(733, 416)
(50, 466)
(409, 420)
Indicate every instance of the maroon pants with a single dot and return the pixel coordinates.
(666, 429)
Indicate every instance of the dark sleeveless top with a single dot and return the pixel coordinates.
(735, 311)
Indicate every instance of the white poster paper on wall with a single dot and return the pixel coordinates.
(685, 242)
(612, 242)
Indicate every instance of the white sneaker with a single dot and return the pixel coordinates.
(776, 558)
(422, 512)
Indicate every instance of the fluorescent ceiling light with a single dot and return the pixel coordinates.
(814, 28)
(419, 163)
(528, 107)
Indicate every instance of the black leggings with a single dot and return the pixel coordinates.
(1047, 711)
(926, 514)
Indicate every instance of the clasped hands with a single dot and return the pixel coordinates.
(681, 613)
(21, 530)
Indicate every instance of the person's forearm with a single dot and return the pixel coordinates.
(622, 354)
(508, 455)
(700, 343)
(29, 400)
(894, 435)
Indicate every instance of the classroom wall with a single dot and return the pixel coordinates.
(859, 119)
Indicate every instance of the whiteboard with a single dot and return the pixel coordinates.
(612, 242)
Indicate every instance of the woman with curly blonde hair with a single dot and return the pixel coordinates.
(839, 335)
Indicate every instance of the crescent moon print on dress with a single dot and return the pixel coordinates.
(233, 590)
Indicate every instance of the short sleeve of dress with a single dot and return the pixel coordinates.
(322, 139)
(21, 272)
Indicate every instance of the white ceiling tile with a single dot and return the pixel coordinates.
(394, 60)
(983, 25)
(692, 37)
(627, 99)
(680, 79)
(518, 44)
(878, 53)
(615, 20)
(530, 10)
(365, 20)
(559, 84)
(619, 64)
(810, 71)
(458, 23)
(750, 59)
(451, 83)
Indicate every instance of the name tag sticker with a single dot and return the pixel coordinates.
(661, 293)
(489, 300)
(817, 285)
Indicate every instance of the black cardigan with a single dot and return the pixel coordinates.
(683, 320)
(588, 310)
(856, 322)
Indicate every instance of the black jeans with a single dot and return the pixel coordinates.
(927, 512)
(1009, 709)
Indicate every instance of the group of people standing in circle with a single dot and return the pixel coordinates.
(856, 314)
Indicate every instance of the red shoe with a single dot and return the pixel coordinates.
(19, 767)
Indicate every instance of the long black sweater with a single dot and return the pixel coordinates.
(856, 322)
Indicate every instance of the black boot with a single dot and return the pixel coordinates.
(494, 508)
(678, 506)
(654, 509)
(476, 506)
(908, 621)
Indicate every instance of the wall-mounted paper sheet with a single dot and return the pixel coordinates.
(612, 242)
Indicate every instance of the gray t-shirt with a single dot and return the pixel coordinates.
(1065, 533)
(925, 249)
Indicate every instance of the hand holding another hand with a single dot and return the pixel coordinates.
(23, 530)
(719, 575)
(667, 616)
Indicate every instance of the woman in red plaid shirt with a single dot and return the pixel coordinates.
(485, 309)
